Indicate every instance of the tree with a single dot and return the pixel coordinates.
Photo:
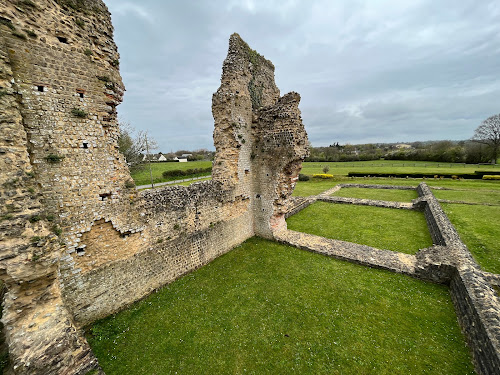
(488, 133)
(134, 145)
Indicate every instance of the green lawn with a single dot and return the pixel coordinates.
(478, 227)
(469, 195)
(142, 177)
(378, 194)
(187, 183)
(266, 308)
(384, 228)
(393, 166)
(316, 185)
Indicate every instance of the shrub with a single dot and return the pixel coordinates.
(115, 63)
(491, 177)
(19, 34)
(56, 230)
(35, 218)
(326, 168)
(80, 22)
(35, 239)
(88, 52)
(77, 112)
(6, 22)
(103, 78)
(30, 33)
(323, 175)
(53, 158)
(187, 172)
(303, 177)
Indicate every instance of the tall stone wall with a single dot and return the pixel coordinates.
(259, 136)
(44, 72)
(78, 242)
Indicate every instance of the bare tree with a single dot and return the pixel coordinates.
(488, 133)
(134, 145)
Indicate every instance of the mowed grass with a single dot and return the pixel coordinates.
(479, 229)
(142, 177)
(470, 196)
(378, 194)
(316, 185)
(266, 308)
(187, 183)
(384, 228)
(393, 166)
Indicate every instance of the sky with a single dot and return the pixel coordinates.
(368, 71)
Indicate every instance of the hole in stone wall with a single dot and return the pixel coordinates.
(85, 145)
(80, 250)
(125, 234)
(62, 39)
(40, 88)
(104, 196)
(247, 171)
(80, 92)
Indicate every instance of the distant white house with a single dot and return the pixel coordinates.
(154, 157)
(181, 159)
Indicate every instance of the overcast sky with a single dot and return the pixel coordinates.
(367, 71)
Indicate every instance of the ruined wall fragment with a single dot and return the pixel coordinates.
(259, 137)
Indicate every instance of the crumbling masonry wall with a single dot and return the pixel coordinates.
(77, 241)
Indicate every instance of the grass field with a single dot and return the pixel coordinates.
(478, 227)
(470, 196)
(393, 166)
(266, 308)
(378, 194)
(316, 185)
(187, 183)
(399, 230)
(142, 177)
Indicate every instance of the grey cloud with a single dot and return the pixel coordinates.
(367, 71)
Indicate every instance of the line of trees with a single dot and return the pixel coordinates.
(483, 147)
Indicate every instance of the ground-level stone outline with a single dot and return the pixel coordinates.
(448, 261)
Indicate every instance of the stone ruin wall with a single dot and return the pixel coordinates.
(77, 241)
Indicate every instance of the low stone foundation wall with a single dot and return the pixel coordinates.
(367, 202)
(297, 204)
(447, 261)
(356, 253)
(478, 311)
